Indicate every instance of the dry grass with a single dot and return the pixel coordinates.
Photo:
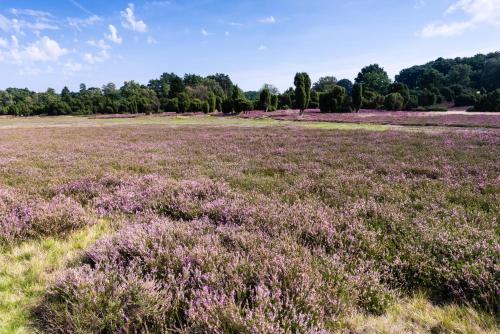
(26, 269)
(418, 315)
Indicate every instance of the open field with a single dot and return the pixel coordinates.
(231, 225)
(406, 118)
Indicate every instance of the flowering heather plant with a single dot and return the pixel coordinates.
(268, 219)
(24, 218)
(452, 256)
(410, 118)
(159, 275)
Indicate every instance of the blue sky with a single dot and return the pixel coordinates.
(65, 42)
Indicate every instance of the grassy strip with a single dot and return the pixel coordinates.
(74, 121)
(418, 315)
(26, 269)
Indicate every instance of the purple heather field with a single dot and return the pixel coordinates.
(256, 229)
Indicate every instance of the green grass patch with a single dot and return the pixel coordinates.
(26, 269)
(79, 121)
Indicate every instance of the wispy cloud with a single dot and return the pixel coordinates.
(480, 12)
(205, 33)
(82, 8)
(99, 57)
(80, 23)
(151, 4)
(29, 12)
(268, 20)
(129, 20)
(151, 40)
(420, 4)
(262, 48)
(98, 44)
(20, 25)
(113, 35)
(72, 67)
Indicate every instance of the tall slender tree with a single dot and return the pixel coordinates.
(265, 99)
(302, 91)
(357, 96)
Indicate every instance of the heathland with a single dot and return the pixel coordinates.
(279, 224)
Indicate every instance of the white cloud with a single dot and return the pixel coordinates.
(18, 25)
(445, 30)
(99, 57)
(262, 48)
(79, 23)
(150, 4)
(129, 20)
(29, 12)
(420, 4)
(3, 43)
(99, 44)
(226, 33)
(268, 20)
(73, 67)
(113, 35)
(151, 40)
(480, 12)
(5, 24)
(42, 50)
(206, 33)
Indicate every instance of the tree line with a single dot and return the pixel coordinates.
(472, 81)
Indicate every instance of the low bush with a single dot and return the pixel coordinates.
(23, 217)
(160, 276)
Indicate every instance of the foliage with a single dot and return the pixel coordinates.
(347, 84)
(335, 101)
(302, 91)
(242, 104)
(265, 99)
(489, 102)
(374, 78)
(394, 101)
(357, 96)
(324, 84)
(456, 80)
(227, 106)
(314, 103)
(462, 81)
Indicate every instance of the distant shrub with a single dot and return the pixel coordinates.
(394, 101)
(205, 106)
(196, 105)
(274, 103)
(242, 104)
(212, 102)
(184, 102)
(336, 101)
(265, 99)
(314, 103)
(427, 98)
(489, 102)
(357, 96)
(412, 102)
(447, 93)
(227, 106)
(466, 99)
(172, 105)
